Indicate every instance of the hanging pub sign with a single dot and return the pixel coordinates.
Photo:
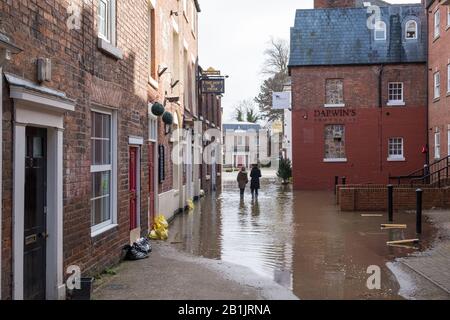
(213, 85)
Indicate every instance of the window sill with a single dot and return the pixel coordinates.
(153, 82)
(336, 160)
(436, 38)
(338, 105)
(396, 159)
(436, 99)
(109, 49)
(396, 103)
(103, 230)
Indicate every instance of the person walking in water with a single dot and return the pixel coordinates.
(242, 180)
(255, 175)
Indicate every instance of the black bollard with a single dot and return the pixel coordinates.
(391, 202)
(336, 182)
(344, 181)
(419, 194)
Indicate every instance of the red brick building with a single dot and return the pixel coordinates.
(210, 113)
(359, 94)
(439, 78)
(75, 176)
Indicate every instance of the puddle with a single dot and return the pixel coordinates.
(299, 239)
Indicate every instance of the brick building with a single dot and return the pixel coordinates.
(439, 78)
(210, 114)
(80, 172)
(359, 95)
(177, 62)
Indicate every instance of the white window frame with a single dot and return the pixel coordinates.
(437, 24)
(448, 16)
(437, 85)
(448, 78)
(334, 105)
(152, 127)
(396, 102)
(185, 9)
(396, 157)
(337, 160)
(448, 140)
(415, 32)
(193, 11)
(437, 144)
(380, 26)
(112, 222)
(109, 20)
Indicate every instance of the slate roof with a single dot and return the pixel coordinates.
(244, 126)
(340, 36)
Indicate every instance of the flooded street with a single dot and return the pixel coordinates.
(298, 239)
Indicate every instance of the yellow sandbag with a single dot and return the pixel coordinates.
(161, 222)
(163, 234)
(153, 235)
(190, 204)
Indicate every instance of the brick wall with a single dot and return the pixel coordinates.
(374, 198)
(439, 59)
(92, 78)
(367, 126)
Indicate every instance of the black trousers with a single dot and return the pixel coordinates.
(254, 192)
(242, 191)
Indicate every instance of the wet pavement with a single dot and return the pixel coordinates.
(298, 239)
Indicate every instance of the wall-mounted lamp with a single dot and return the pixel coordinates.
(7, 49)
(174, 84)
(171, 99)
(162, 68)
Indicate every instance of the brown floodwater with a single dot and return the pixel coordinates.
(299, 239)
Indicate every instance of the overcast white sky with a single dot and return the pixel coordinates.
(234, 34)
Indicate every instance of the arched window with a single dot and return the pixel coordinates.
(411, 29)
(380, 30)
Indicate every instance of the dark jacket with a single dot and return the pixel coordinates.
(255, 175)
(242, 179)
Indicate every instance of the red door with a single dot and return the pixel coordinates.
(151, 183)
(133, 187)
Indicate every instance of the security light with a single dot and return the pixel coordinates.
(162, 68)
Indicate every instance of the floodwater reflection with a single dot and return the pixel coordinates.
(299, 239)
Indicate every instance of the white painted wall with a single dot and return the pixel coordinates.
(287, 139)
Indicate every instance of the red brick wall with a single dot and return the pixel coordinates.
(89, 76)
(367, 132)
(439, 59)
(375, 198)
(211, 110)
(320, 4)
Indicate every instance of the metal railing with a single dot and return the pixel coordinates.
(432, 174)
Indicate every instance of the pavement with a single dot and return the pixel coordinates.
(426, 275)
(169, 274)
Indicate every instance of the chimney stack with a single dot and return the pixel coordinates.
(323, 4)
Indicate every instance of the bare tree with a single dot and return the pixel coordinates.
(276, 69)
(245, 111)
(277, 57)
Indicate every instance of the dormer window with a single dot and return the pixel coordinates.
(411, 30)
(380, 30)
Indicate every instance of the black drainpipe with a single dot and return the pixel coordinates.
(427, 82)
(380, 105)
